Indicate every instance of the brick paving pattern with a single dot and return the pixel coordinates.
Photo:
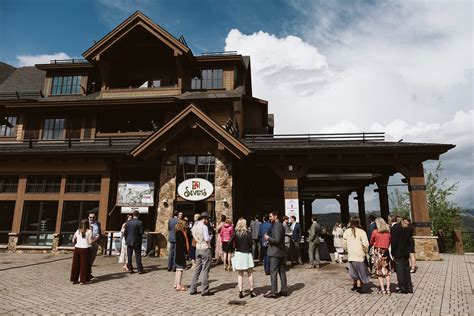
(40, 284)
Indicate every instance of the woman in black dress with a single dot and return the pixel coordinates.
(182, 248)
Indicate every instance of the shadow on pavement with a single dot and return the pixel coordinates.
(224, 286)
(36, 263)
(111, 276)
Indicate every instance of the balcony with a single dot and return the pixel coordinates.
(127, 93)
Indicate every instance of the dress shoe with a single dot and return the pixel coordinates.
(270, 295)
(193, 293)
(354, 288)
(283, 294)
(208, 293)
(131, 272)
(267, 273)
(241, 295)
(252, 294)
(141, 272)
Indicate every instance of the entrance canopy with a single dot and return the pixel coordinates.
(191, 117)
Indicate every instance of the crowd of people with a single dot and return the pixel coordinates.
(275, 242)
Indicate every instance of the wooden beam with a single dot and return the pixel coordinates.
(17, 216)
(418, 201)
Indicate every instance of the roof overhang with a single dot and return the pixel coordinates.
(190, 116)
(136, 19)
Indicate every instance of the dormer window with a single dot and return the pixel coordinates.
(210, 79)
(64, 85)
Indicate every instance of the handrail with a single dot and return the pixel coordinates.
(363, 136)
(69, 61)
(77, 142)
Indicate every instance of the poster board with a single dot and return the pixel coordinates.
(135, 193)
(292, 208)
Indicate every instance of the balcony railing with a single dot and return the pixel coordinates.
(117, 93)
(372, 136)
(85, 145)
(68, 61)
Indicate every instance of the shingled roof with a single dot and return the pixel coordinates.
(5, 71)
(24, 79)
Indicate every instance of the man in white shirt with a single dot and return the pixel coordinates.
(203, 255)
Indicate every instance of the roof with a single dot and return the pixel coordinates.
(5, 71)
(24, 79)
(136, 19)
(190, 115)
(305, 145)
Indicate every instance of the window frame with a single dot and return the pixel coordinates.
(9, 132)
(24, 233)
(66, 85)
(209, 79)
(86, 181)
(196, 173)
(43, 185)
(54, 130)
(12, 184)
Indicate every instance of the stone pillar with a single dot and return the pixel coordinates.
(426, 245)
(223, 185)
(361, 206)
(343, 200)
(12, 241)
(167, 193)
(383, 197)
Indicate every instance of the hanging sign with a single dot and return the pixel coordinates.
(195, 189)
(291, 208)
(135, 193)
(131, 209)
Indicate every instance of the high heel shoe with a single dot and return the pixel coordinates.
(241, 295)
(252, 293)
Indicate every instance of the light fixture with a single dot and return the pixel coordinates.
(290, 167)
(165, 202)
(225, 203)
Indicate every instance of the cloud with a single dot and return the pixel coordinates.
(30, 60)
(400, 67)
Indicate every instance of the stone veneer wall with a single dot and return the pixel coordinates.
(426, 248)
(167, 191)
(223, 184)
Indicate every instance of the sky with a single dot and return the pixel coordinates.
(400, 67)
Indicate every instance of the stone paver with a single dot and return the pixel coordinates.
(40, 284)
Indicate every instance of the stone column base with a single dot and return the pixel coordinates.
(426, 248)
(12, 242)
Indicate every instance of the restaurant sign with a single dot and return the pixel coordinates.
(195, 189)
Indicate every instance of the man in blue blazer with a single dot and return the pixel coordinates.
(295, 239)
(133, 239)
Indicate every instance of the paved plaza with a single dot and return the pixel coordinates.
(40, 284)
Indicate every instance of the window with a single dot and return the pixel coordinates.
(196, 167)
(53, 128)
(8, 184)
(39, 222)
(7, 209)
(8, 129)
(73, 212)
(66, 85)
(43, 184)
(210, 79)
(83, 184)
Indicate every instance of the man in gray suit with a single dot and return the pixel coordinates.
(313, 250)
(277, 253)
(133, 238)
(254, 229)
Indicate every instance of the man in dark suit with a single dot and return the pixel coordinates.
(172, 239)
(400, 244)
(133, 239)
(295, 239)
(277, 253)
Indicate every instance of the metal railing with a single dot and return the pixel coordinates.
(229, 52)
(69, 61)
(371, 136)
(76, 142)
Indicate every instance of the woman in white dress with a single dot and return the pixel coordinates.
(337, 232)
(123, 250)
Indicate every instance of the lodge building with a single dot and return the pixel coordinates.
(141, 111)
